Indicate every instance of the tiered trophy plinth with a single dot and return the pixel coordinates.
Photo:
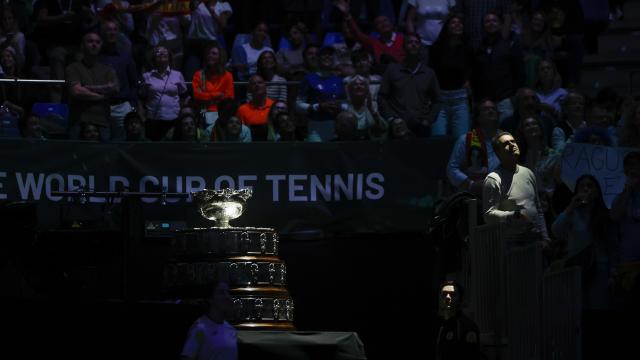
(246, 258)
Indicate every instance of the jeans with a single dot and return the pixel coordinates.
(455, 115)
(118, 112)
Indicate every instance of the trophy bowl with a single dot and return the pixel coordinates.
(222, 205)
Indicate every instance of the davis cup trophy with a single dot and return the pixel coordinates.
(245, 257)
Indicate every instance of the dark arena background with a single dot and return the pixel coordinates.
(364, 130)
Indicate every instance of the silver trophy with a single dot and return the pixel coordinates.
(221, 206)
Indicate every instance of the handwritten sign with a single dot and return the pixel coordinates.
(604, 163)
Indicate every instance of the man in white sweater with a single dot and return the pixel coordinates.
(509, 196)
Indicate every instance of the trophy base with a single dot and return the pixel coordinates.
(259, 325)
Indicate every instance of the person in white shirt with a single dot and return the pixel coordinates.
(211, 336)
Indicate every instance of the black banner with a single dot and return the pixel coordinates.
(336, 187)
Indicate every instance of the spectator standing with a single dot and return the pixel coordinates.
(163, 90)
(91, 86)
(410, 91)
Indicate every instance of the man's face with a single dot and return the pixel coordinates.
(574, 105)
(449, 301)
(285, 124)
(363, 65)
(531, 128)
(456, 26)
(412, 45)
(134, 127)
(546, 71)
(260, 33)
(257, 86)
(488, 115)
(33, 129)
(311, 57)
(92, 43)
(110, 32)
(295, 36)
(326, 60)
(600, 116)
(527, 102)
(383, 25)
(358, 88)
(399, 128)
(188, 128)
(491, 24)
(90, 132)
(234, 126)
(508, 148)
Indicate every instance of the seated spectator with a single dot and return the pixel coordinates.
(163, 91)
(362, 62)
(285, 127)
(608, 99)
(186, 130)
(572, 118)
(527, 105)
(291, 60)
(548, 87)
(398, 130)
(255, 113)
(91, 86)
(537, 156)
(31, 128)
(244, 58)
(370, 123)
(277, 108)
(473, 156)
(321, 96)
(267, 66)
(11, 34)
(12, 97)
(599, 116)
(233, 130)
(388, 48)
(630, 130)
(587, 231)
(134, 126)
(452, 59)
(89, 132)
(537, 44)
(347, 128)
(410, 90)
(213, 86)
(225, 128)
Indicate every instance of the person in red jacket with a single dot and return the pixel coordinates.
(216, 85)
